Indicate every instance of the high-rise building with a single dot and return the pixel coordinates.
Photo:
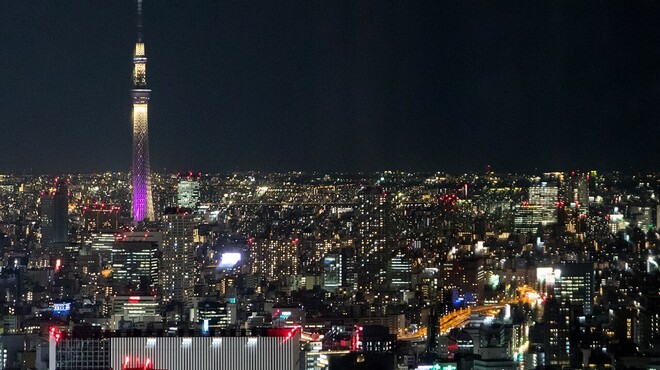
(55, 213)
(576, 192)
(339, 269)
(135, 260)
(574, 203)
(572, 299)
(575, 285)
(545, 195)
(561, 344)
(539, 210)
(273, 258)
(527, 218)
(373, 223)
(99, 216)
(61, 211)
(142, 205)
(46, 217)
(332, 271)
(188, 192)
(467, 279)
(177, 271)
(399, 270)
(102, 244)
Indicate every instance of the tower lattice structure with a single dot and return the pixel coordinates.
(142, 205)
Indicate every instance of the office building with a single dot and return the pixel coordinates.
(74, 353)
(373, 227)
(539, 210)
(332, 271)
(188, 192)
(178, 272)
(466, 278)
(399, 272)
(102, 242)
(134, 312)
(544, 196)
(575, 285)
(274, 258)
(212, 314)
(135, 262)
(576, 192)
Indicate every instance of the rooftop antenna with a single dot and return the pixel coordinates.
(139, 20)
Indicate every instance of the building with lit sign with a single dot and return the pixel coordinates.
(137, 311)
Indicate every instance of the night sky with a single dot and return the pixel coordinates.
(333, 85)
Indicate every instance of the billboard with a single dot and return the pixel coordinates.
(229, 260)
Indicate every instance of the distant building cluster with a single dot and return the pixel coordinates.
(391, 270)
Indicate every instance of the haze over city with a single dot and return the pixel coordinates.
(334, 86)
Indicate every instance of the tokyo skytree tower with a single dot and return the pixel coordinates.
(142, 205)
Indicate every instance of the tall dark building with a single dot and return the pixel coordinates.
(556, 334)
(575, 285)
(55, 213)
(571, 300)
(466, 278)
(100, 216)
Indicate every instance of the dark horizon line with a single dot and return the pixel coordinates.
(335, 172)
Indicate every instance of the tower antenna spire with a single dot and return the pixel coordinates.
(139, 19)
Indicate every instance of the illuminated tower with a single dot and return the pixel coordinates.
(142, 206)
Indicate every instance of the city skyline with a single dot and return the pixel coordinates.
(336, 185)
(335, 87)
(307, 272)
